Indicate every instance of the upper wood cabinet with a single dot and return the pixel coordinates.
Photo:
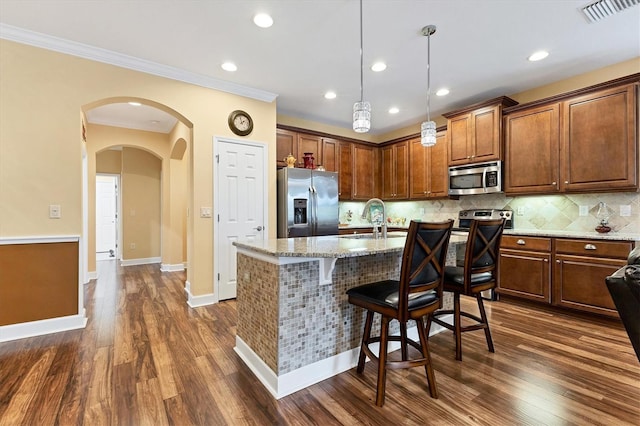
(598, 137)
(474, 134)
(365, 172)
(581, 142)
(531, 158)
(330, 154)
(345, 170)
(286, 143)
(395, 171)
(428, 170)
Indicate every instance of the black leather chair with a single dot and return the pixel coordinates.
(624, 287)
(417, 294)
(480, 273)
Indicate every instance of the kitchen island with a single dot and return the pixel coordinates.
(295, 325)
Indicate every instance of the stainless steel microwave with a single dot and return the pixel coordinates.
(479, 178)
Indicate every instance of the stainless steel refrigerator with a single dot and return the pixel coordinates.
(307, 203)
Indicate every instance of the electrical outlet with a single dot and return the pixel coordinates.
(422, 211)
(520, 211)
(132, 246)
(584, 210)
(625, 210)
(205, 211)
(54, 211)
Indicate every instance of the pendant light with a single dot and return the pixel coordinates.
(428, 128)
(362, 109)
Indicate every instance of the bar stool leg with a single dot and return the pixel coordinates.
(483, 316)
(403, 340)
(382, 361)
(457, 323)
(424, 343)
(365, 341)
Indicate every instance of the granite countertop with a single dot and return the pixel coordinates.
(332, 246)
(613, 235)
(593, 235)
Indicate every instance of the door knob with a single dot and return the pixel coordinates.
(259, 228)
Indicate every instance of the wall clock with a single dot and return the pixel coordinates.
(240, 123)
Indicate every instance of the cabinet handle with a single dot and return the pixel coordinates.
(566, 181)
(553, 183)
(557, 261)
(545, 260)
(590, 247)
(521, 242)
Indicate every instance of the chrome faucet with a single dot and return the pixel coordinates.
(384, 216)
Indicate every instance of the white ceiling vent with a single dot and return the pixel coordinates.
(601, 9)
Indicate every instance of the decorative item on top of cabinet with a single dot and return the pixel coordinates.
(579, 273)
(474, 133)
(309, 144)
(395, 171)
(428, 170)
(286, 144)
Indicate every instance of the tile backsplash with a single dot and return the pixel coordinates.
(544, 212)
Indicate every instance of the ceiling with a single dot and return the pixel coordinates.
(479, 50)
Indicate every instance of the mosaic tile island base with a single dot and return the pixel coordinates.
(295, 325)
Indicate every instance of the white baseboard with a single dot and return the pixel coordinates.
(141, 261)
(38, 328)
(167, 267)
(197, 301)
(288, 383)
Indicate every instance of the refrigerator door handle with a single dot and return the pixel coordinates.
(314, 210)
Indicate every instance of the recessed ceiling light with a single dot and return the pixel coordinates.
(378, 66)
(263, 20)
(442, 92)
(155, 122)
(394, 110)
(229, 66)
(330, 95)
(134, 103)
(538, 56)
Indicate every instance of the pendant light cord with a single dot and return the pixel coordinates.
(429, 77)
(361, 58)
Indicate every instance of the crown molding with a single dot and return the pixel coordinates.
(32, 38)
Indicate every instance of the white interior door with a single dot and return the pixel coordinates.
(106, 217)
(240, 206)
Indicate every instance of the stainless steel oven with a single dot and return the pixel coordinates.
(480, 178)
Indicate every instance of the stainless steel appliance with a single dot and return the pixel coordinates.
(480, 178)
(464, 223)
(307, 203)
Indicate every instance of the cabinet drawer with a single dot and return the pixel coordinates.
(597, 248)
(526, 243)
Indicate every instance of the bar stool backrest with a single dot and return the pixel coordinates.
(482, 252)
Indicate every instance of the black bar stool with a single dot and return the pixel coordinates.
(418, 293)
(480, 273)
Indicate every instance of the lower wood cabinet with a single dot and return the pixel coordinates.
(563, 272)
(525, 267)
(579, 273)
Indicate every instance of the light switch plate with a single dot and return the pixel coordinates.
(54, 211)
(625, 209)
(205, 211)
(520, 211)
(584, 210)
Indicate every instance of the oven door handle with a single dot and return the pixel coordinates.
(484, 180)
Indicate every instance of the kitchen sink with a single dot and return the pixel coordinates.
(370, 236)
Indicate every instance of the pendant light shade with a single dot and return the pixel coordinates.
(361, 117)
(428, 128)
(362, 109)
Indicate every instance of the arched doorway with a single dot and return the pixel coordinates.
(138, 145)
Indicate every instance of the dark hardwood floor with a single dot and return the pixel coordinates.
(146, 358)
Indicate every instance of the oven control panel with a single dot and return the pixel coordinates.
(465, 216)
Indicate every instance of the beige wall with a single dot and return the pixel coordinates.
(109, 161)
(141, 172)
(41, 95)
